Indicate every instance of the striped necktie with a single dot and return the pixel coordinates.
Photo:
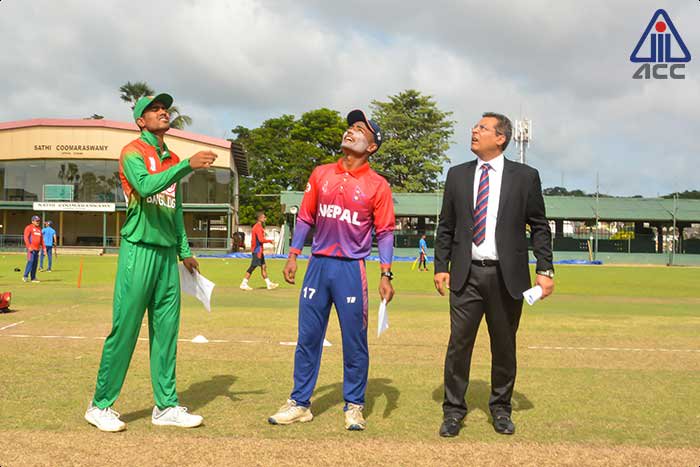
(482, 204)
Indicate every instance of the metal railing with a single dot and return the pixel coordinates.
(11, 241)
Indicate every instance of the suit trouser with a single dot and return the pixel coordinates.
(342, 282)
(484, 294)
(147, 277)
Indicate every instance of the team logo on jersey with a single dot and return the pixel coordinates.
(308, 187)
(359, 195)
(324, 188)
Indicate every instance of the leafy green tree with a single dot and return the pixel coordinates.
(561, 191)
(180, 121)
(417, 136)
(687, 194)
(132, 92)
(282, 152)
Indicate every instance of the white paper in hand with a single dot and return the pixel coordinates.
(196, 285)
(382, 319)
(532, 295)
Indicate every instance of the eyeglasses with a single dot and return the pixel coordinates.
(482, 129)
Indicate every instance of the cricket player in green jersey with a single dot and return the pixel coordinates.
(153, 238)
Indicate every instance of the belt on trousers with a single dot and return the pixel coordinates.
(485, 262)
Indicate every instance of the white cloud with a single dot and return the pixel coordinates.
(563, 64)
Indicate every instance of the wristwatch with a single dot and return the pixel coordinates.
(388, 274)
(546, 272)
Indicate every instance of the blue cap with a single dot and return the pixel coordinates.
(358, 115)
(36, 218)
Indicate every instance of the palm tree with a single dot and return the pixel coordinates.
(180, 121)
(132, 92)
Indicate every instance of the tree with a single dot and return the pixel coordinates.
(417, 136)
(282, 152)
(561, 191)
(180, 121)
(687, 194)
(132, 92)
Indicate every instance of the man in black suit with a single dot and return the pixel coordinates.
(481, 254)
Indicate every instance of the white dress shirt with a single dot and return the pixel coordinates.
(487, 249)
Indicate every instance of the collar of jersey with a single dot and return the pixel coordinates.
(151, 139)
(357, 173)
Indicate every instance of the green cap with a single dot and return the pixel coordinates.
(141, 104)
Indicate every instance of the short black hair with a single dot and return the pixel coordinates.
(503, 127)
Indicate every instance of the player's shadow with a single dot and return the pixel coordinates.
(478, 394)
(332, 394)
(199, 395)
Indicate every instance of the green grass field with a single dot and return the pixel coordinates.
(609, 374)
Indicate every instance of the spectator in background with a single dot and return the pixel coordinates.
(257, 241)
(34, 242)
(422, 254)
(49, 235)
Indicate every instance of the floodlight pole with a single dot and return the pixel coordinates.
(597, 214)
(522, 135)
(673, 232)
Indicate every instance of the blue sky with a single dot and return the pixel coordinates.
(563, 64)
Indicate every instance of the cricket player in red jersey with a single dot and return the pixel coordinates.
(34, 241)
(257, 242)
(345, 201)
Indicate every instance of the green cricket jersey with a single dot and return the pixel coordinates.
(150, 179)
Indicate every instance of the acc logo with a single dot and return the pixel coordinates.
(662, 52)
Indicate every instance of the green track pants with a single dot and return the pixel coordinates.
(147, 277)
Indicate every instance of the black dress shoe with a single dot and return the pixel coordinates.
(450, 427)
(503, 424)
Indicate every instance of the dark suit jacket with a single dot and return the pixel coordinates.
(521, 203)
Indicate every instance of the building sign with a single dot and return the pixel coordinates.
(70, 206)
(71, 148)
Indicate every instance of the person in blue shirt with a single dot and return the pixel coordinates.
(423, 254)
(49, 235)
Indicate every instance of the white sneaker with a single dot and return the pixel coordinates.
(246, 287)
(24, 279)
(272, 285)
(354, 420)
(104, 419)
(36, 281)
(289, 413)
(175, 416)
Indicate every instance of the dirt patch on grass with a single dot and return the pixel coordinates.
(92, 448)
